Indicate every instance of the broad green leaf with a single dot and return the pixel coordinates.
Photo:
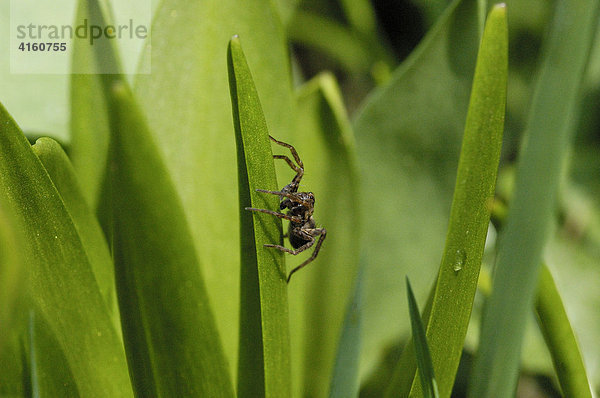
(345, 381)
(264, 349)
(171, 340)
(40, 340)
(408, 139)
(63, 291)
(452, 300)
(321, 293)
(89, 109)
(186, 101)
(63, 176)
(12, 283)
(46, 367)
(531, 210)
(560, 339)
(11, 272)
(424, 364)
(89, 130)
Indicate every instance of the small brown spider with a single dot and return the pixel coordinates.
(303, 229)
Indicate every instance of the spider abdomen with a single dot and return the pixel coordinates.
(296, 240)
(297, 232)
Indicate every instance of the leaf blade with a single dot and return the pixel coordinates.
(424, 364)
(454, 292)
(195, 139)
(345, 379)
(63, 176)
(408, 163)
(57, 262)
(264, 355)
(560, 339)
(170, 336)
(89, 124)
(530, 215)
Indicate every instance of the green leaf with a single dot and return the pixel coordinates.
(354, 50)
(345, 381)
(47, 370)
(554, 323)
(532, 207)
(574, 268)
(63, 176)
(89, 118)
(57, 262)
(264, 349)
(322, 292)
(187, 105)
(408, 141)
(170, 337)
(560, 339)
(90, 128)
(11, 271)
(40, 340)
(425, 366)
(12, 284)
(452, 301)
(360, 15)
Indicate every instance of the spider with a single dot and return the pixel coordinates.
(302, 230)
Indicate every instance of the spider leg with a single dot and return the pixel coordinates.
(290, 195)
(276, 214)
(317, 231)
(299, 170)
(292, 150)
(299, 250)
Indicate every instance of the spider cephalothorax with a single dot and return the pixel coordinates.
(302, 231)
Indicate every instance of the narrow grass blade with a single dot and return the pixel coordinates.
(561, 341)
(345, 381)
(556, 328)
(62, 287)
(408, 167)
(424, 364)
(264, 347)
(172, 344)
(456, 284)
(532, 207)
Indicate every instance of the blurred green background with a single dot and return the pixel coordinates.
(404, 69)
